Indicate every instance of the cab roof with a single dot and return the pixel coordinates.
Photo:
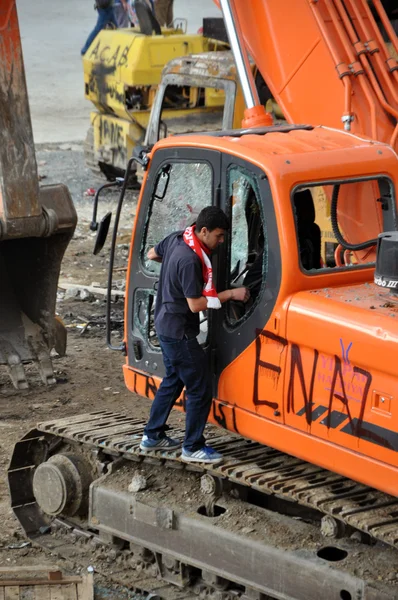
(297, 152)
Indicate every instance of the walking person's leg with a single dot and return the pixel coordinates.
(111, 16)
(121, 16)
(161, 10)
(169, 391)
(100, 24)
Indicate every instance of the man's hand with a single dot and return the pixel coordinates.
(153, 256)
(241, 294)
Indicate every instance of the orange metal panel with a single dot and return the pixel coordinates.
(322, 452)
(19, 187)
(327, 60)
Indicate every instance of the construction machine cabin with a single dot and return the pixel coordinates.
(271, 368)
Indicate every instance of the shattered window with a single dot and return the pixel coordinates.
(178, 114)
(239, 187)
(248, 250)
(181, 191)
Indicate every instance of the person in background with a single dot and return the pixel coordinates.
(106, 14)
(120, 8)
(164, 12)
(132, 12)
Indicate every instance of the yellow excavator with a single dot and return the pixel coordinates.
(122, 71)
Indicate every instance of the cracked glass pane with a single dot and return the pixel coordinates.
(182, 190)
(248, 249)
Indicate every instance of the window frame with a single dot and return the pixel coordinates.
(345, 268)
(231, 326)
(152, 201)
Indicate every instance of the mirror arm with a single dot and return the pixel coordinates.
(94, 222)
(124, 182)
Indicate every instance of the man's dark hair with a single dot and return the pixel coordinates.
(212, 217)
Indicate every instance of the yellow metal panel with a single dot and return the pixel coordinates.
(322, 218)
(123, 58)
(136, 59)
(114, 139)
(239, 108)
(214, 97)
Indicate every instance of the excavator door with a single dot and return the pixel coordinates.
(177, 187)
(179, 184)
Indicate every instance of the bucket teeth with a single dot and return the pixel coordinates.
(17, 372)
(15, 367)
(42, 359)
(46, 370)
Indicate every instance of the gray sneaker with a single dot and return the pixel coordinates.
(164, 443)
(205, 455)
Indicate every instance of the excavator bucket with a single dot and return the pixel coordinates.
(36, 225)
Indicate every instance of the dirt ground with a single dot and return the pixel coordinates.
(89, 376)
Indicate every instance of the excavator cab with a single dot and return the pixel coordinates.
(268, 363)
(36, 225)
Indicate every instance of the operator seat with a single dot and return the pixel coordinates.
(308, 232)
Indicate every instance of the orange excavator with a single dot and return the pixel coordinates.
(304, 376)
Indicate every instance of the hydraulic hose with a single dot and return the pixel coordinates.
(336, 230)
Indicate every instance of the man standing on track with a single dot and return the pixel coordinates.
(185, 289)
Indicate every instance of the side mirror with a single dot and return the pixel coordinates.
(102, 233)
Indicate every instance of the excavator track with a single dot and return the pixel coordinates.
(254, 465)
(113, 438)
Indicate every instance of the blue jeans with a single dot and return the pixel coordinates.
(105, 16)
(186, 365)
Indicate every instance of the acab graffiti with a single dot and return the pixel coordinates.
(113, 58)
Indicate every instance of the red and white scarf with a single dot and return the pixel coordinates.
(209, 291)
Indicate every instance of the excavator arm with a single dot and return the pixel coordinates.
(327, 61)
(36, 225)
